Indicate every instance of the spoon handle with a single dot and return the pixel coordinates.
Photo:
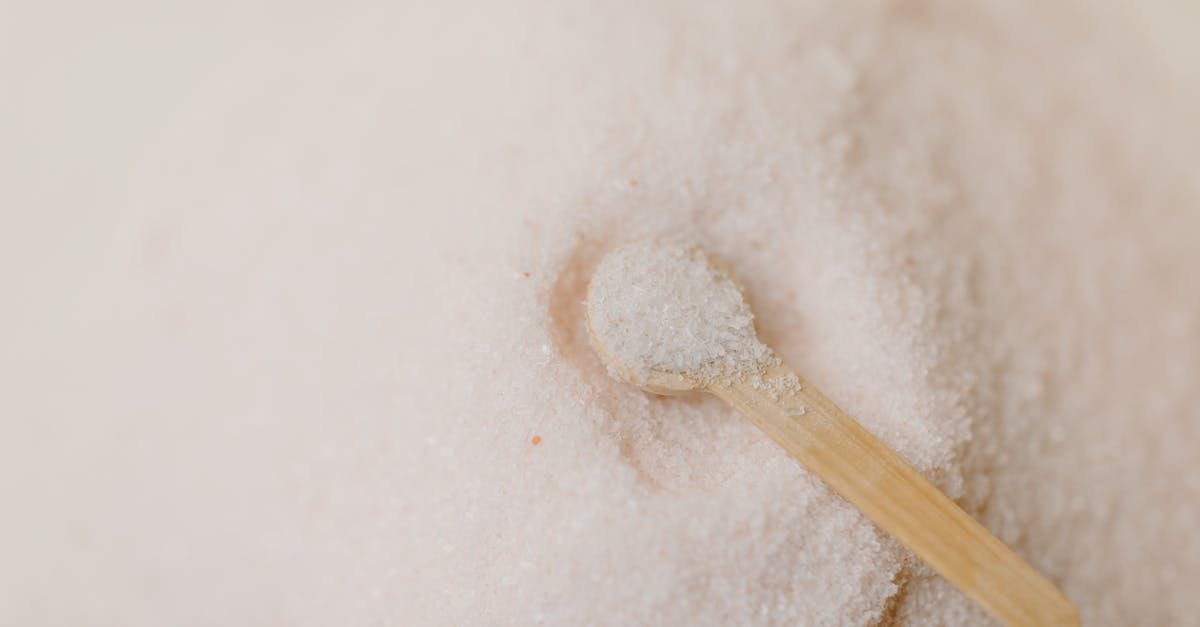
(897, 498)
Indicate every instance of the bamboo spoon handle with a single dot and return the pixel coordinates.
(898, 499)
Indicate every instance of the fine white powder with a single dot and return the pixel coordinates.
(664, 306)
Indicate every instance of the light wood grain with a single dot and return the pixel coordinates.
(896, 497)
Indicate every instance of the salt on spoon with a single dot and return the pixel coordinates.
(668, 319)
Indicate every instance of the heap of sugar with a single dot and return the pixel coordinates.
(664, 306)
(347, 257)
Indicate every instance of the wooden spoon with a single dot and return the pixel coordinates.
(875, 479)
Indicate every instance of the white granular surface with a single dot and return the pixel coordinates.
(295, 330)
(663, 306)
